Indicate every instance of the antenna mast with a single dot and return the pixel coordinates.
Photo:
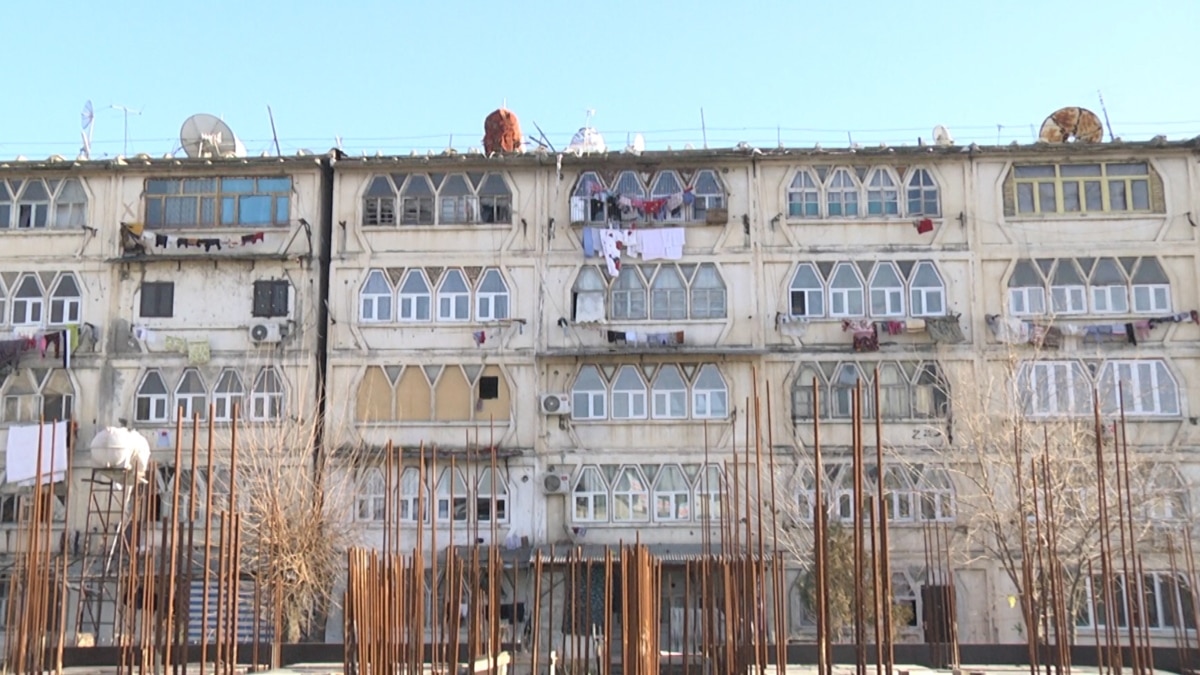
(1104, 110)
(275, 136)
(127, 111)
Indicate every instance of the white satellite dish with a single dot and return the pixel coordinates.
(587, 141)
(638, 146)
(207, 136)
(942, 137)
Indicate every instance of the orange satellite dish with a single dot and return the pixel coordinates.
(1066, 125)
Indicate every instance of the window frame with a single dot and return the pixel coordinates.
(848, 197)
(665, 396)
(804, 199)
(375, 299)
(224, 402)
(156, 410)
(672, 497)
(151, 305)
(492, 298)
(918, 191)
(33, 306)
(68, 307)
(920, 294)
(179, 397)
(633, 397)
(886, 194)
(266, 402)
(225, 204)
(846, 294)
(1052, 181)
(807, 292)
(702, 397)
(272, 298)
(459, 301)
(594, 500)
(597, 399)
(892, 297)
(414, 299)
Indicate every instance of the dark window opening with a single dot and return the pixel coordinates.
(271, 298)
(489, 387)
(158, 300)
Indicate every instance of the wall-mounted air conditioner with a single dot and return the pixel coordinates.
(556, 404)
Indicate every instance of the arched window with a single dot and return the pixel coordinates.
(845, 382)
(588, 395)
(629, 295)
(807, 292)
(495, 200)
(372, 497)
(895, 401)
(883, 194)
(416, 201)
(841, 194)
(1145, 386)
(1110, 290)
(1166, 495)
(628, 395)
(927, 294)
(898, 494)
(379, 203)
(227, 395)
(266, 401)
(376, 298)
(33, 205)
(591, 496)
(937, 495)
(931, 396)
(491, 302)
(414, 297)
(708, 293)
(670, 394)
(3, 289)
(708, 193)
(457, 203)
(588, 296)
(710, 396)
(1054, 388)
(587, 203)
(191, 396)
(1151, 288)
(452, 496)
(28, 302)
(491, 497)
(409, 501)
(667, 184)
(151, 401)
(66, 302)
(922, 194)
(802, 394)
(628, 184)
(1067, 289)
(454, 298)
(6, 206)
(709, 486)
(630, 496)
(804, 196)
(70, 206)
(1026, 290)
(668, 296)
(845, 292)
(672, 495)
(887, 291)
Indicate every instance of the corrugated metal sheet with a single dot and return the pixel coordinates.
(245, 613)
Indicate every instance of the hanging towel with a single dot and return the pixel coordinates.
(198, 352)
(652, 243)
(589, 307)
(612, 243)
(589, 242)
(945, 329)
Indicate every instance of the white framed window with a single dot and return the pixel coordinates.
(898, 494)
(33, 205)
(803, 407)
(414, 297)
(1110, 288)
(708, 194)
(807, 292)
(1151, 288)
(627, 184)
(922, 194)
(495, 200)
(589, 395)
(708, 293)
(191, 396)
(408, 500)
(936, 490)
(371, 497)
(227, 395)
(1167, 601)
(628, 295)
(454, 297)
(1026, 290)
(887, 291)
(709, 486)
(630, 496)
(491, 497)
(379, 203)
(376, 298)
(1054, 388)
(883, 193)
(3, 293)
(845, 292)
(66, 302)
(842, 386)
(666, 184)
(453, 497)
(927, 292)
(266, 400)
(587, 204)
(895, 392)
(588, 296)
(1166, 495)
(710, 396)
(841, 194)
(457, 204)
(590, 497)
(1068, 292)
(416, 201)
(28, 302)
(491, 301)
(1146, 387)
(672, 495)
(70, 206)
(628, 395)
(804, 196)
(668, 295)
(670, 394)
(151, 400)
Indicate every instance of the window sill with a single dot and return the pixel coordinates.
(1101, 215)
(421, 424)
(60, 231)
(448, 227)
(247, 229)
(647, 420)
(862, 220)
(650, 224)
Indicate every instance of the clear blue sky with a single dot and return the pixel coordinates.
(396, 76)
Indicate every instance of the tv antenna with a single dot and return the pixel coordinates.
(127, 111)
(87, 119)
(207, 136)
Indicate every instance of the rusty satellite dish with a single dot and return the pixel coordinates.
(1078, 125)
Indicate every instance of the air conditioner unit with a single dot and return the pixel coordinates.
(556, 404)
(556, 483)
(266, 332)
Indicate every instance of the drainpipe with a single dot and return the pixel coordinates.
(324, 261)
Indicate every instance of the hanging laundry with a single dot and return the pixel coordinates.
(612, 244)
(589, 242)
(1009, 330)
(253, 238)
(1048, 337)
(914, 326)
(894, 327)
(614, 336)
(480, 337)
(160, 241)
(945, 329)
(11, 352)
(208, 244)
(661, 244)
(175, 344)
(865, 335)
(924, 226)
(589, 307)
(198, 352)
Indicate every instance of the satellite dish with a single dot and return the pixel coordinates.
(1071, 124)
(586, 141)
(207, 136)
(942, 137)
